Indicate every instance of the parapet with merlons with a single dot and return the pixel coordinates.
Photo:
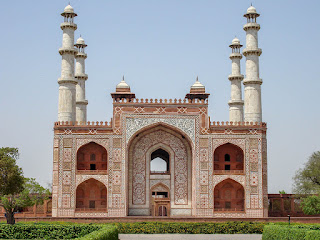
(83, 127)
(175, 101)
(237, 127)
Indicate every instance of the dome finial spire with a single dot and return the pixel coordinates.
(123, 78)
(197, 80)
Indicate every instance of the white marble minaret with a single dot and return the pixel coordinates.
(81, 76)
(67, 81)
(236, 102)
(252, 82)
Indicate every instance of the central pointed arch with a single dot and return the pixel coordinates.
(176, 150)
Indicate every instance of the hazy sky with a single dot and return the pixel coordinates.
(160, 47)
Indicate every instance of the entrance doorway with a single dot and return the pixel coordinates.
(162, 211)
(92, 204)
(160, 204)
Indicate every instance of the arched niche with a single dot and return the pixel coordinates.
(91, 195)
(228, 159)
(229, 196)
(92, 157)
(160, 162)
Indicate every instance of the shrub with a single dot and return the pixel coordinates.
(191, 228)
(107, 232)
(46, 231)
(312, 235)
(275, 232)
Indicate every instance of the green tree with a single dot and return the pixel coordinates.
(307, 179)
(311, 205)
(17, 191)
(11, 176)
(306, 182)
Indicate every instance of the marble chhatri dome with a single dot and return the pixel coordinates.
(160, 157)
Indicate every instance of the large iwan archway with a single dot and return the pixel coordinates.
(172, 149)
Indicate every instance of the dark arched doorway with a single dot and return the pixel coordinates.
(229, 196)
(228, 159)
(91, 195)
(92, 157)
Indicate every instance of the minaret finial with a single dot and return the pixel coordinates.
(122, 77)
(197, 80)
(251, 4)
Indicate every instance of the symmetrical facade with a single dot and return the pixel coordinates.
(160, 157)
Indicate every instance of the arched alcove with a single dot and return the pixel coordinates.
(160, 162)
(92, 157)
(228, 158)
(229, 196)
(91, 195)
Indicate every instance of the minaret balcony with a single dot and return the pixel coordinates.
(68, 25)
(251, 51)
(235, 55)
(82, 102)
(81, 76)
(67, 50)
(235, 102)
(235, 77)
(251, 25)
(252, 81)
(67, 80)
(81, 55)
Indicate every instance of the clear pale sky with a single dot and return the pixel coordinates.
(160, 47)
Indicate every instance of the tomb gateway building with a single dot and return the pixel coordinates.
(211, 169)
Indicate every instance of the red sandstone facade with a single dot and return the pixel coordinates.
(213, 169)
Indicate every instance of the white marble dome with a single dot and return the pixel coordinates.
(68, 9)
(80, 40)
(251, 9)
(235, 41)
(197, 85)
(123, 85)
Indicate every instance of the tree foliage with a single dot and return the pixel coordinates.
(11, 176)
(307, 179)
(15, 190)
(306, 182)
(311, 205)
